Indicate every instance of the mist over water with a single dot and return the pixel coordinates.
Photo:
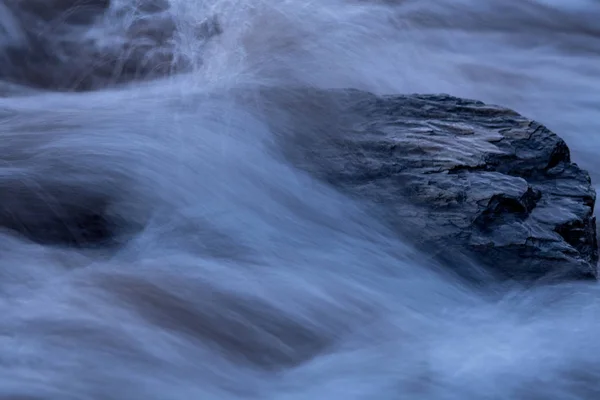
(234, 274)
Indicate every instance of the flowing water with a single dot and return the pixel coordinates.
(241, 276)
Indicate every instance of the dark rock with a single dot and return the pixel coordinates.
(56, 215)
(153, 6)
(157, 30)
(67, 11)
(463, 179)
(51, 49)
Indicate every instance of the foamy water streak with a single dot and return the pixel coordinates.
(237, 276)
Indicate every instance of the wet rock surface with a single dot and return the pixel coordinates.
(462, 179)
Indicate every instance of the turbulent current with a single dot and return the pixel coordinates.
(232, 274)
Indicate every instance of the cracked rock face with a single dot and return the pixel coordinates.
(464, 180)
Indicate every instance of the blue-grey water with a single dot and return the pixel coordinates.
(247, 278)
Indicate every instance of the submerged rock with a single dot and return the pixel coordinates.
(69, 11)
(58, 215)
(464, 180)
(82, 45)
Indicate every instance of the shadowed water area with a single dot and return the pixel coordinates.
(160, 240)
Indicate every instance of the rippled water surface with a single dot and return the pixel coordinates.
(235, 275)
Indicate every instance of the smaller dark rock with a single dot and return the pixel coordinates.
(153, 6)
(61, 57)
(57, 215)
(69, 11)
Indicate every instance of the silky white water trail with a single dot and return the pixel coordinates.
(238, 276)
